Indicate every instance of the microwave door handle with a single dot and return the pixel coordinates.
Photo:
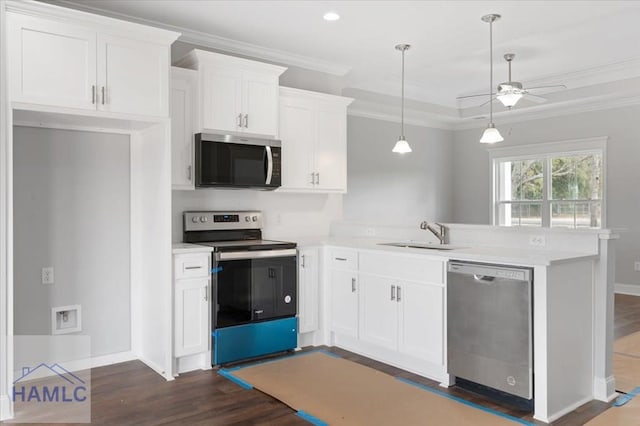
(269, 165)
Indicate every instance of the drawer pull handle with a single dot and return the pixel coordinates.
(342, 259)
(399, 294)
(193, 267)
(353, 285)
(393, 292)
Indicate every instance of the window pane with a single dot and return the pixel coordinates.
(562, 215)
(588, 215)
(520, 180)
(577, 177)
(530, 215)
(520, 214)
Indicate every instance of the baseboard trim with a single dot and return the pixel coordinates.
(155, 367)
(604, 389)
(93, 362)
(555, 416)
(628, 289)
(5, 408)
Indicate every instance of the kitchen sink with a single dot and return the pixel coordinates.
(425, 246)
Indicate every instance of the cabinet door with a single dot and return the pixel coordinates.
(378, 311)
(422, 321)
(308, 291)
(260, 104)
(297, 132)
(344, 303)
(183, 84)
(133, 75)
(51, 63)
(191, 310)
(221, 99)
(331, 149)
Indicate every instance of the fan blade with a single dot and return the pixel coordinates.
(534, 98)
(474, 96)
(485, 103)
(546, 87)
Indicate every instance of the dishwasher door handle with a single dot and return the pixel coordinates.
(486, 278)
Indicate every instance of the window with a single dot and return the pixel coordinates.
(545, 185)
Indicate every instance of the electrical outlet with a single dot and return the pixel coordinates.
(636, 266)
(537, 240)
(47, 275)
(370, 232)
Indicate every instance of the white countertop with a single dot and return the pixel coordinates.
(182, 248)
(502, 255)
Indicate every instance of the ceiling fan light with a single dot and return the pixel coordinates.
(402, 146)
(491, 135)
(509, 99)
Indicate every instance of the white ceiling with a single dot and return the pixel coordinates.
(553, 40)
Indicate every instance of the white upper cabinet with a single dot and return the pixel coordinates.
(313, 130)
(72, 59)
(133, 76)
(238, 95)
(51, 63)
(183, 93)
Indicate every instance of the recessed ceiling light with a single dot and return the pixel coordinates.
(331, 16)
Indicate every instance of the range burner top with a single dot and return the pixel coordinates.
(221, 246)
(228, 231)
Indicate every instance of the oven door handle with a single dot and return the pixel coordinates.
(269, 165)
(254, 254)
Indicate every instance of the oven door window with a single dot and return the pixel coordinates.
(256, 290)
(233, 164)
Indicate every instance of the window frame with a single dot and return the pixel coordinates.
(545, 151)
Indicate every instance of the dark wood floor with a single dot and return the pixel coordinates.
(132, 394)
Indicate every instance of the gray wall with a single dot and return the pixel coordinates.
(471, 177)
(71, 211)
(388, 188)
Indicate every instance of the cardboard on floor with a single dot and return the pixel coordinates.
(628, 345)
(341, 392)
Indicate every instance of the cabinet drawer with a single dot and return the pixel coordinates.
(343, 259)
(191, 266)
(403, 268)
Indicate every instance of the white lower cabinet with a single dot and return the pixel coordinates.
(308, 290)
(191, 302)
(390, 307)
(191, 311)
(343, 276)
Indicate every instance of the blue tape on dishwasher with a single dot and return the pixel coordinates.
(216, 270)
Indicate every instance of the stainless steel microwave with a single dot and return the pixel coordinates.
(227, 161)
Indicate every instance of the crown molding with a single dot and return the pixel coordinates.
(414, 117)
(222, 43)
(552, 110)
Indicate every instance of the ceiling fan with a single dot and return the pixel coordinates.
(510, 92)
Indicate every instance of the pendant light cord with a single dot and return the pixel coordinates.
(402, 99)
(491, 73)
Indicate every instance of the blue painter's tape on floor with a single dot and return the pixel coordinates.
(227, 375)
(465, 402)
(311, 419)
(623, 399)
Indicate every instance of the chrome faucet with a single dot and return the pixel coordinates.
(440, 233)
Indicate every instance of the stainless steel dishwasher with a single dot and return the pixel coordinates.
(489, 329)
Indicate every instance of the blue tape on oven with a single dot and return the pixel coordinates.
(216, 270)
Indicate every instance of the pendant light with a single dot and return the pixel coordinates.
(491, 134)
(402, 146)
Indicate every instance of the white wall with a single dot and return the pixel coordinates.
(286, 216)
(389, 188)
(471, 177)
(71, 211)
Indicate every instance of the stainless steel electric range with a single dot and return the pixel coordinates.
(254, 303)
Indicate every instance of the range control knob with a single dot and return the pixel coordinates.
(203, 219)
(194, 219)
(247, 218)
(254, 218)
